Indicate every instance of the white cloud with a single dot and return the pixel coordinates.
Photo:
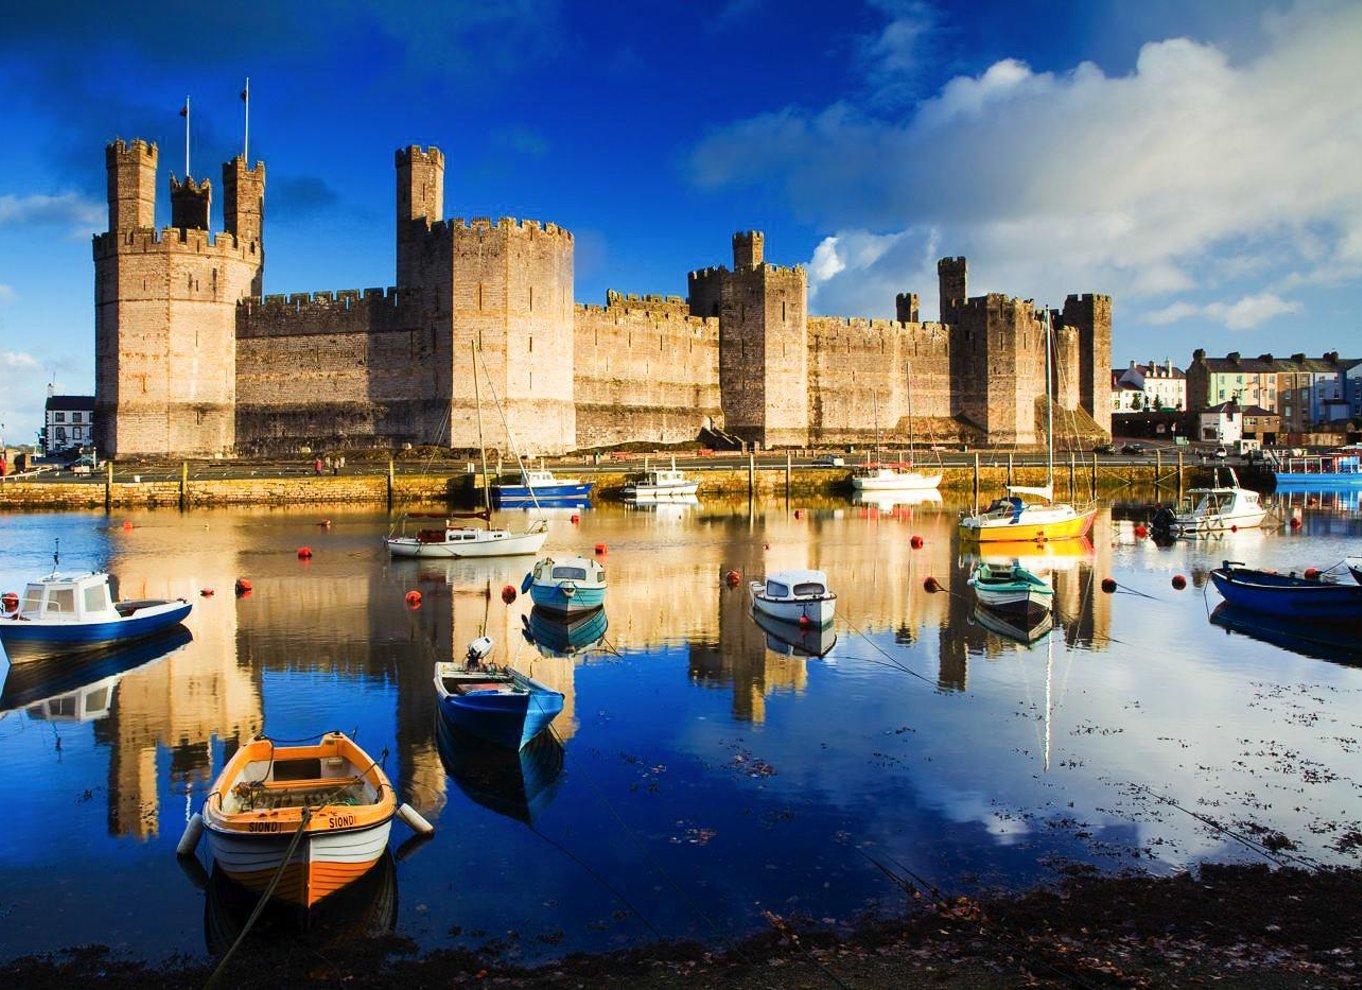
(7, 293)
(66, 210)
(1242, 314)
(1143, 184)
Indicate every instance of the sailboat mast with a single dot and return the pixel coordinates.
(1049, 414)
(908, 381)
(482, 447)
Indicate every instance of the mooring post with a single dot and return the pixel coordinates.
(1009, 467)
(391, 482)
(1094, 474)
(108, 485)
(751, 474)
(1073, 460)
(184, 482)
(1158, 467)
(976, 479)
(1179, 476)
(787, 476)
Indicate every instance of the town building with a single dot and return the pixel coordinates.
(192, 359)
(1148, 387)
(68, 422)
(1306, 393)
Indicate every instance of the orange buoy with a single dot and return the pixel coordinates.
(1295, 522)
(1312, 574)
(732, 578)
(600, 548)
(206, 593)
(932, 585)
(576, 519)
(1141, 530)
(243, 587)
(304, 553)
(767, 546)
(413, 598)
(127, 524)
(508, 593)
(1108, 585)
(798, 513)
(915, 543)
(1179, 582)
(10, 601)
(325, 524)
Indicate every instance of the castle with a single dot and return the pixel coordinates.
(192, 360)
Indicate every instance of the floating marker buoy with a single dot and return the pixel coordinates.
(189, 841)
(304, 553)
(127, 524)
(325, 524)
(1295, 522)
(767, 546)
(915, 543)
(1234, 529)
(1108, 585)
(243, 587)
(10, 601)
(206, 593)
(1179, 582)
(798, 513)
(1312, 574)
(576, 519)
(414, 821)
(1141, 531)
(413, 598)
(508, 593)
(732, 578)
(600, 548)
(804, 622)
(932, 585)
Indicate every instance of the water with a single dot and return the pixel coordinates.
(704, 778)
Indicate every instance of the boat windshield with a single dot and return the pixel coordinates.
(809, 588)
(569, 573)
(774, 589)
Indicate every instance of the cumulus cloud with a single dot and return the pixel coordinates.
(65, 210)
(1243, 314)
(1161, 180)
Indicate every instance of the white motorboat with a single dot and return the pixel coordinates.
(1212, 510)
(566, 586)
(661, 485)
(894, 478)
(800, 597)
(452, 540)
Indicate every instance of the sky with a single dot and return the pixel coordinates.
(1198, 160)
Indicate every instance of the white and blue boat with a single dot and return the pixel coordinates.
(497, 704)
(1338, 469)
(566, 586)
(1012, 591)
(64, 614)
(1313, 595)
(800, 597)
(540, 486)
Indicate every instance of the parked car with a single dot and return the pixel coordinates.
(1135, 448)
(1221, 453)
(829, 460)
(1104, 448)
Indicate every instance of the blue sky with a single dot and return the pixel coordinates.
(1199, 161)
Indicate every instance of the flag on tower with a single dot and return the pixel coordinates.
(184, 110)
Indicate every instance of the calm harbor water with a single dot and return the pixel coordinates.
(705, 773)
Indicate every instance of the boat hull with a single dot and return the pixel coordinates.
(1009, 627)
(36, 639)
(817, 612)
(1327, 479)
(660, 493)
(509, 545)
(1288, 596)
(1058, 527)
(561, 638)
(909, 481)
(499, 717)
(320, 865)
(521, 495)
(560, 601)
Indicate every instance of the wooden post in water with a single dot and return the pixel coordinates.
(1073, 460)
(751, 475)
(1179, 476)
(1158, 467)
(184, 482)
(390, 482)
(976, 479)
(787, 476)
(108, 485)
(1009, 467)
(1094, 474)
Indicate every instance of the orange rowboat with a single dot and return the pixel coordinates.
(317, 815)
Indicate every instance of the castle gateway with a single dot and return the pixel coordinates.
(192, 360)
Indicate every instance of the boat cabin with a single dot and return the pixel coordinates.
(69, 597)
(792, 585)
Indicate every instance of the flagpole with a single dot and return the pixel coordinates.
(186, 138)
(246, 141)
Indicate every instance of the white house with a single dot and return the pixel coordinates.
(69, 422)
(1148, 387)
(1221, 423)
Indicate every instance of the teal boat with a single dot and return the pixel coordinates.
(1011, 591)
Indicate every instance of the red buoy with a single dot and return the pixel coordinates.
(1179, 582)
(325, 524)
(732, 578)
(576, 519)
(798, 513)
(1312, 574)
(508, 593)
(1295, 522)
(1234, 529)
(206, 593)
(600, 548)
(1141, 530)
(304, 553)
(10, 601)
(1108, 585)
(243, 587)
(915, 543)
(804, 622)
(767, 546)
(414, 599)
(932, 585)
(127, 524)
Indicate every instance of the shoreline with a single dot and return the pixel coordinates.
(1232, 925)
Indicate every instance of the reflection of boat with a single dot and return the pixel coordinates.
(1012, 591)
(1212, 510)
(449, 540)
(795, 596)
(1058, 555)
(540, 486)
(1010, 627)
(558, 636)
(1289, 596)
(566, 586)
(499, 704)
(1354, 568)
(660, 485)
(516, 783)
(81, 688)
(366, 908)
(330, 796)
(886, 500)
(62, 614)
(1339, 643)
(793, 640)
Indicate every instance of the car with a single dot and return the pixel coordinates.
(1221, 453)
(829, 460)
(1134, 448)
(1104, 448)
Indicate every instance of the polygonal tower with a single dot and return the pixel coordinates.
(165, 316)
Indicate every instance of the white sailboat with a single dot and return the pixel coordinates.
(453, 540)
(1010, 518)
(896, 477)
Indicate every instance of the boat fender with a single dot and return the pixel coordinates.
(915, 543)
(193, 830)
(1179, 582)
(732, 578)
(413, 820)
(576, 519)
(932, 585)
(525, 585)
(508, 594)
(804, 622)
(413, 598)
(243, 587)
(1312, 574)
(10, 601)
(304, 553)
(600, 548)
(1109, 586)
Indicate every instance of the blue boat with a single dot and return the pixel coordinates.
(561, 636)
(1339, 469)
(64, 614)
(1311, 595)
(540, 486)
(498, 704)
(517, 784)
(567, 586)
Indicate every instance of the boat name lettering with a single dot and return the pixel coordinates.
(340, 821)
(265, 827)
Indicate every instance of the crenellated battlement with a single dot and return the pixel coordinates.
(136, 148)
(173, 240)
(324, 300)
(508, 225)
(414, 153)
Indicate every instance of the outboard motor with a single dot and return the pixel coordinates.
(479, 650)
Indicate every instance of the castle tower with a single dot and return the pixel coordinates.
(165, 318)
(420, 203)
(191, 203)
(906, 308)
(243, 209)
(132, 184)
(1090, 315)
(763, 344)
(953, 278)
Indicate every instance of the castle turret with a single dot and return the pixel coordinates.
(1090, 316)
(906, 308)
(749, 247)
(191, 203)
(243, 209)
(420, 203)
(132, 184)
(953, 279)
